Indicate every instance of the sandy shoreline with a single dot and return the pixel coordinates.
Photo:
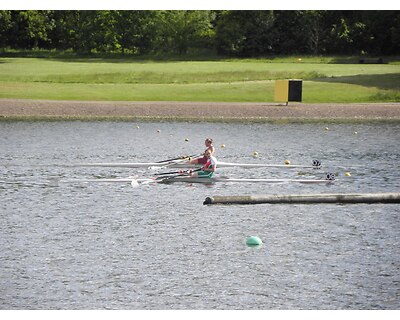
(213, 111)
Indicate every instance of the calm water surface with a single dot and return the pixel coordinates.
(110, 246)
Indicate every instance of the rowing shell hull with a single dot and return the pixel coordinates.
(220, 164)
(186, 179)
(238, 180)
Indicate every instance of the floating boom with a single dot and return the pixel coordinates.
(307, 198)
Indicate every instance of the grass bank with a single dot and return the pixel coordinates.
(339, 80)
(197, 120)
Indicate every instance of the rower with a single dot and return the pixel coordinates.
(209, 147)
(209, 167)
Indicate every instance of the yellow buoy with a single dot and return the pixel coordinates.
(158, 130)
(255, 154)
(287, 162)
(326, 129)
(222, 146)
(347, 174)
(186, 139)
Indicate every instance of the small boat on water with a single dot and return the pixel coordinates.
(183, 162)
(330, 178)
(186, 164)
(237, 180)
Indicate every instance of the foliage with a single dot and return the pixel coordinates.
(235, 33)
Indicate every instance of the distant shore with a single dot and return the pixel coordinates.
(18, 109)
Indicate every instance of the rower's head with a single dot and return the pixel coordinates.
(208, 142)
(208, 154)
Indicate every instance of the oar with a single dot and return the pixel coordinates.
(180, 174)
(136, 182)
(177, 158)
(174, 172)
(171, 162)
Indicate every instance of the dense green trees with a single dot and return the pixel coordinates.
(234, 33)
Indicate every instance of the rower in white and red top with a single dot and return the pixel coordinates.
(208, 169)
(209, 147)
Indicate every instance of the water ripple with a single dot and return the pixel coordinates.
(109, 246)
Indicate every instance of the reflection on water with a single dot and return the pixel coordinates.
(95, 246)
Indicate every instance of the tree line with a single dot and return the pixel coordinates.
(181, 32)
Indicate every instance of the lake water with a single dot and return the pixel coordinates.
(110, 246)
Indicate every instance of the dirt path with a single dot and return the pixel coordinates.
(197, 110)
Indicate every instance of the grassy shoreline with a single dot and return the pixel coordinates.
(222, 80)
(170, 111)
(5, 119)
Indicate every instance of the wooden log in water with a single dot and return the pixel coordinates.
(393, 197)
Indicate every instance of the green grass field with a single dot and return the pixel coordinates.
(246, 80)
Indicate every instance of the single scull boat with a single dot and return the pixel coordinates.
(187, 179)
(179, 164)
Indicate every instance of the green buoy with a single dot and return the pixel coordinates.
(254, 241)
